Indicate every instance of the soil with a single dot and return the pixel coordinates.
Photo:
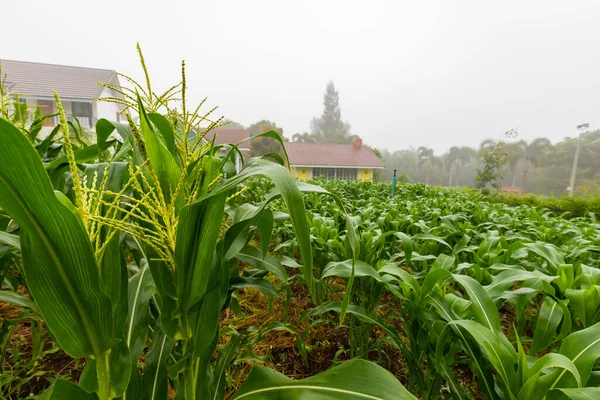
(326, 342)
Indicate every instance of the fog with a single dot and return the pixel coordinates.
(434, 73)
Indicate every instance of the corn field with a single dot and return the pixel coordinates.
(126, 252)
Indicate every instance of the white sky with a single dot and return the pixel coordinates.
(409, 73)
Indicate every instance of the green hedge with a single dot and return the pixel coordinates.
(570, 206)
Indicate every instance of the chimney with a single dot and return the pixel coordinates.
(358, 143)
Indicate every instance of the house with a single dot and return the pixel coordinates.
(333, 161)
(231, 136)
(77, 87)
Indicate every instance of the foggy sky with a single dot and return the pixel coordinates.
(410, 73)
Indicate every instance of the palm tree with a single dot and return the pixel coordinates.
(465, 155)
(451, 160)
(515, 152)
(456, 158)
(428, 161)
(536, 153)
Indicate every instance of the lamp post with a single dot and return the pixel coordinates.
(571, 187)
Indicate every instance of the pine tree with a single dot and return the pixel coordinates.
(329, 127)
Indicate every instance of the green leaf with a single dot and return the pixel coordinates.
(587, 393)
(585, 304)
(164, 127)
(547, 323)
(103, 130)
(426, 236)
(265, 230)
(10, 239)
(253, 257)
(197, 235)
(499, 356)
(140, 289)
(483, 307)
(343, 269)
(62, 389)
(227, 355)
(154, 382)
(407, 246)
(548, 252)
(59, 261)
(444, 261)
(354, 379)
(162, 160)
(583, 348)
(86, 154)
(10, 297)
(506, 279)
(536, 388)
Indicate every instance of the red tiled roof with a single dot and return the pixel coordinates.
(331, 154)
(229, 136)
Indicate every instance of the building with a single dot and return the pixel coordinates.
(333, 161)
(231, 136)
(77, 87)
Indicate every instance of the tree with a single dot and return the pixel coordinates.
(535, 155)
(264, 145)
(377, 174)
(304, 137)
(427, 161)
(465, 155)
(329, 127)
(515, 153)
(493, 160)
(451, 160)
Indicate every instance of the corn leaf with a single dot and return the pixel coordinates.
(154, 382)
(355, 379)
(10, 239)
(141, 287)
(583, 348)
(550, 316)
(588, 393)
(162, 160)
(62, 389)
(253, 257)
(59, 261)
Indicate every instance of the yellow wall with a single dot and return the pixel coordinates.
(366, 174)
(303, 173)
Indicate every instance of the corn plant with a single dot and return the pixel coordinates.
(510, 293)
(144, 245)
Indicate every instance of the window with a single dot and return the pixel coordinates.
(82, 109)
(83, 112)
(346, 173)
(328, 173)
(335, 173)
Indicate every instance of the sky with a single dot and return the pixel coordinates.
(429, 73)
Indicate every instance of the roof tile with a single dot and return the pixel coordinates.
(39, 80)
(331, 154)
(229, 136)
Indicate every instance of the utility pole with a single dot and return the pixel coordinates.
(571, 187)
